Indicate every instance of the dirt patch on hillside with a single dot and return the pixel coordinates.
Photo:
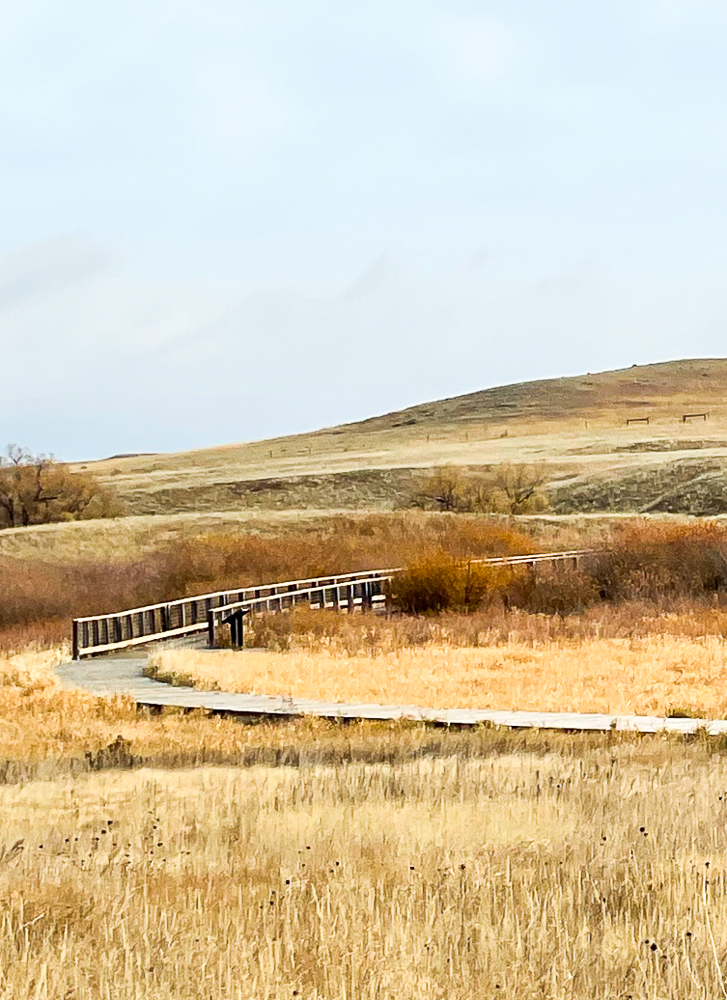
(651, 446)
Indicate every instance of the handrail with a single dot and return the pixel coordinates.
(189, 615)
(244, 590)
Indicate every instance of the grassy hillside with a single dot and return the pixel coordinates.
(575, 427)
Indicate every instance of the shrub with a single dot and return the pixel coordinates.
(439, 583)
(216, 561)
(506, 489)
(40, 596)
(651, 561)
(552, 589)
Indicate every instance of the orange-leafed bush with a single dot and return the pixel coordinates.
(439, 583)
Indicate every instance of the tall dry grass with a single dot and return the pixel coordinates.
(372, 633)
(656, 675)
(518, 876)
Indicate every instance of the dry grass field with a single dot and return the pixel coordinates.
(150, 856)
(572, 876)
(46, 732)
(574, 427)
(155, 856)
(653, 675)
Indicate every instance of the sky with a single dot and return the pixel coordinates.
(224, 220)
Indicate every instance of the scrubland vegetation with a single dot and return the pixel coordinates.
(42, 591)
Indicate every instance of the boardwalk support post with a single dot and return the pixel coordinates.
(235, 621)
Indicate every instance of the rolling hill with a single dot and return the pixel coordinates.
(576, 428)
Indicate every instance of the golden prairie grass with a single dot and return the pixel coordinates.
(118, 539)
(31, 670)
(47, 731)
(522, 876)
(653, 675)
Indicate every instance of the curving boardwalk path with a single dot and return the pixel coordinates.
(111, 675)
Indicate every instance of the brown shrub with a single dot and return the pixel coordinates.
(648, 561)
(216, 561)
(39, 599)
(552, 589)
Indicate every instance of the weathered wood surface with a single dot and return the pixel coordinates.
(125, 675)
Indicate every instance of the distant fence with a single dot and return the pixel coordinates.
(194, 615)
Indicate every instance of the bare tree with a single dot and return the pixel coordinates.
(507, 489)
(443, 489)
(35, 489)
(522, 485)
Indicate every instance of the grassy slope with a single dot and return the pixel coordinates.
(574, 426)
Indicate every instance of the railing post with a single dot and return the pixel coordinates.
(237, 629)
(76, 651)
(211, 628)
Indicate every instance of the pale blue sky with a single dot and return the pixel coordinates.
(225, 220)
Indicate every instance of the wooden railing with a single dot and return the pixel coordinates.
(191, 615)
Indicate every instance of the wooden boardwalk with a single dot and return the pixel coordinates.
(111, 675)
(187, 617)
